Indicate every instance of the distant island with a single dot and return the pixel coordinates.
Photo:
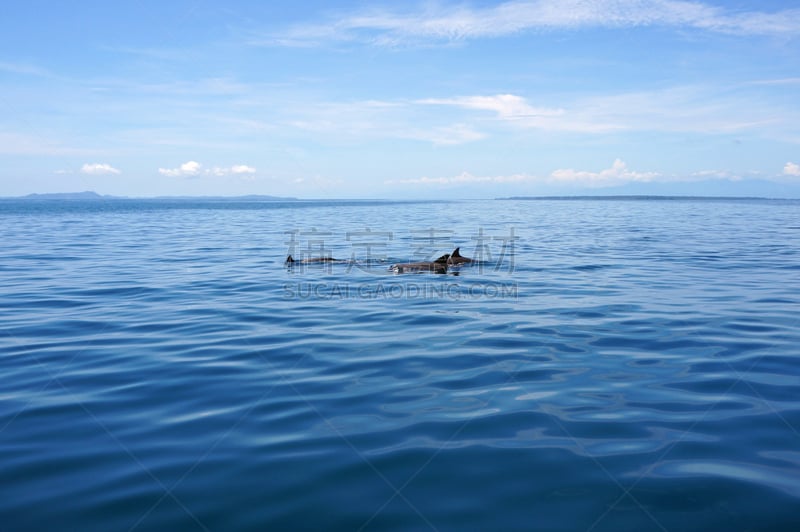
(632, 197)
(94, 196)
(88, 195)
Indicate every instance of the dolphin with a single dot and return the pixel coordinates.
(456, 259)
(437, 266)
(311, 260)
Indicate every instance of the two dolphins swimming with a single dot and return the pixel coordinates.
(436, 266)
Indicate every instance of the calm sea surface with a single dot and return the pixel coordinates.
(608, 365)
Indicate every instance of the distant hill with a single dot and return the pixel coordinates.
(91, 195)
(633, 197)
(88, 195)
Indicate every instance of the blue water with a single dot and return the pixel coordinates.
(609, 365)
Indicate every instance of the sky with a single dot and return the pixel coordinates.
(428, 99)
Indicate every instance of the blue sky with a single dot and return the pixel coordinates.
(400, 99)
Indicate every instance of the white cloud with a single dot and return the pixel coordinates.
(459, 119)
(704, 175)
(195, 169)
(518, 112)
(507, 106)
(190, 168)
(683, 108)
(435, 22)
(791, 169)
(98, 169)
(689, 108)
(461, 179)
(242, 169)
(616, 175)
(187, 169)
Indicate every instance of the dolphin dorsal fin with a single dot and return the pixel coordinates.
(289, 259)
(456, 252)
(443, 258)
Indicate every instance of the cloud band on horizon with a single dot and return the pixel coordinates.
(192, 169)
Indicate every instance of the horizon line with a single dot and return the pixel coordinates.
(94, 196)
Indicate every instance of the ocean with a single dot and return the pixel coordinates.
(607, 364)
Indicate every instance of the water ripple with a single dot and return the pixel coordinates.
(631, 370)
